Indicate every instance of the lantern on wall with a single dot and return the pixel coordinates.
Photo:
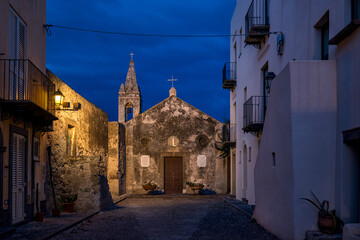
(59, 98)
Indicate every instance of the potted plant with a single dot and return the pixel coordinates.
(149, 186)
(68, 201)
(328, 222)
(195, 186)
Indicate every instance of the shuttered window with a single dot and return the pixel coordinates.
(36, 149)
(17, 52)
(18, 178)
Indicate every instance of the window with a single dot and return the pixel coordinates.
(70, 141)
(249, 154)
(17, 38)
(266, 87)
(36, 149)
(235, 54)
(273, 159)
(325, 41)
(355, 9)
(245, 94)
(240, 42)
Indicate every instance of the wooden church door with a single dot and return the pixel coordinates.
(173, 175)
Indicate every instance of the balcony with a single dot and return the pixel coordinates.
(254, 113)
(26, 93)
(229, 135)
(257, 22)
(229, 75)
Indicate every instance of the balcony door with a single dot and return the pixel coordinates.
(17, 43)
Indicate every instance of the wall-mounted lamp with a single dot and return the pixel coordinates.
(268, 79)
(59, 98)
(65, 106)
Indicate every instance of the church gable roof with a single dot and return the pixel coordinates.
(177, 108)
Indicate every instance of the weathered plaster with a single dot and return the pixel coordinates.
(149, 134)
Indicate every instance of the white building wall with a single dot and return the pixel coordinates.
(298, 20)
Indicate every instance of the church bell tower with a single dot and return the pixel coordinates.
(129, 96)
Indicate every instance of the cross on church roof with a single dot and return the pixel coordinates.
(172, 80)
(131, 54)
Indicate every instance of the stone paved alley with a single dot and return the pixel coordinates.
(169, 218)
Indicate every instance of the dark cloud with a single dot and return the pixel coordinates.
(96, 64)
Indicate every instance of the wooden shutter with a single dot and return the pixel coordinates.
(21, 49)
(36, 149)
(12, 55)
(18, 178)
(17, 50)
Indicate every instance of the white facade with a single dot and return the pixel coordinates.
(311, 130)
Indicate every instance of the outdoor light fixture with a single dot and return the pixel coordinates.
(65, 106)
(269, 76)
(59, 98)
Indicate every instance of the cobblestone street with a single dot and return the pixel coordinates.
(169, 218)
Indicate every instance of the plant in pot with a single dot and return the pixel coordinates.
(149, 186)
(195, 186)
(68, 201)
(328, 222)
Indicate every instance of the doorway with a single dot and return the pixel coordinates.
(17, 173)
(244, 171)
(233, 171)
(173, 177)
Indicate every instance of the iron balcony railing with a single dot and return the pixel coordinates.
(257, 15)
(229, 75)
(21, 80)
(254, 114)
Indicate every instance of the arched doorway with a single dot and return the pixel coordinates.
(244, 188)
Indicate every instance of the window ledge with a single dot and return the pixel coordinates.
(345, 32)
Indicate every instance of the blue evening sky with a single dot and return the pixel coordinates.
(96, 64)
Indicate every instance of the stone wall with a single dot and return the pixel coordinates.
(116, 163)
(173, 128)
(79, 151)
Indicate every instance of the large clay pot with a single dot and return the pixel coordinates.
(149, 187)
(196, 187)
(327, 223)
(69, 207)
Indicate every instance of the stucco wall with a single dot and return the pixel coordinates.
(300, 129)
(173, 117)
(33, 13)
(348, 163)
(85, 171)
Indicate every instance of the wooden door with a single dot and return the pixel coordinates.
(173, 175)
(18, 178)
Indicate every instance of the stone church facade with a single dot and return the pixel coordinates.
(169, 144)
